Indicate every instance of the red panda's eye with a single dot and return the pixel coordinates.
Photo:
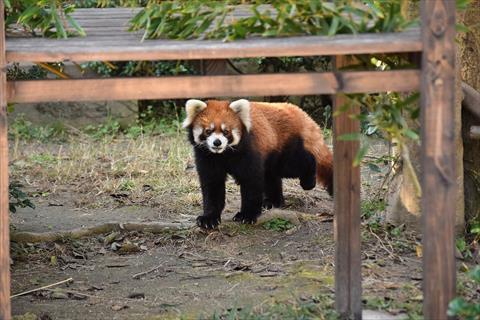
(225, 131)
(208, 131)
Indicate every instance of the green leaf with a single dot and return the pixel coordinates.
(362, 152)
(462, 4)
(77, 27)
(374, 167)
(354, 136)
(411, 134)
(462, 28)
(333, 26)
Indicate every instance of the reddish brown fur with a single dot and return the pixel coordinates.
(273, 125)
(217, 113)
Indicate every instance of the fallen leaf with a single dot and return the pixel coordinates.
(418, 250)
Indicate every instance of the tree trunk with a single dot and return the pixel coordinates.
(403, 204)
(469, 51)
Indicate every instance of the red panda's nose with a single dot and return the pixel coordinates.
(217, 143)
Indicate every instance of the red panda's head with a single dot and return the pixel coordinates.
(217, 125)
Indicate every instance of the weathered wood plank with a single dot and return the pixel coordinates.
(4, 218)
(212, 86)
(438, 156)
(81, 49)
(346, 186)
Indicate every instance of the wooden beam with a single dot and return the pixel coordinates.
(346, 186)
(127, 47)
(212, 86)
(438, 156)
(4, 218)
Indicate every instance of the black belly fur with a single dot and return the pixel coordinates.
(260, 179)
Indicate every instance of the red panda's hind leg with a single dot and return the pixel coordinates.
(273, 192)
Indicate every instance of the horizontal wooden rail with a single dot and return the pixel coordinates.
(212, 86)
(128, 47)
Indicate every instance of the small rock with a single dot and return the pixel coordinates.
(291, 231)
(110, 238)
(115, 246)
(136, 295)
(128, 248)
(59, 295)
(117, 307)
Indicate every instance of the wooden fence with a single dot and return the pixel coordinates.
(435, 80)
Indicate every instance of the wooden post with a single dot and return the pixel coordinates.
(438, 156)
(4, 224)
(346, 186)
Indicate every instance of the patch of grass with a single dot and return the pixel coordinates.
(467, 306)
(234, 228)
(43, 158)
(372, 206)
(318, 307)
(110, 128)
(151, 170)
(22, 129)
(146, 125)
(278, 224)
(322, 275)
(413, 307)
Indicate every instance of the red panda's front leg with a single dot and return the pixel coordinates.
(212, 183)
(251, 189)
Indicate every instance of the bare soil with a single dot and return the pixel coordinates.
(195, 274)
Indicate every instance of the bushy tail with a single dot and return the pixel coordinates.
(324, 158)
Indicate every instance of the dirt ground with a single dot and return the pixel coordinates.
(236, 272)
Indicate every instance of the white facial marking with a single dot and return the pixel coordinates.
(192, 108)
(242, 109)
(236, 137)
(223, 126)
(197, 131)
(217, 142)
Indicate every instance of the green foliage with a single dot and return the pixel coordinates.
(371, 207)
(208, 19)
(371, 210)
(146, 124)
(15, 72)
(109, 3)
(140, 68)
(18, 198)
(278, 224)
(23, 129)
(467, 309)
(109, 128)
(52, 18)
(154, 116)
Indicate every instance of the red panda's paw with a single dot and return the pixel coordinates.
(208, 222)
(267, 204)
(243, 218)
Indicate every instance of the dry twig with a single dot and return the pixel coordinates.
(41, 288)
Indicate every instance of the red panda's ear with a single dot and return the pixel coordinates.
(192, 108)
(242, 108)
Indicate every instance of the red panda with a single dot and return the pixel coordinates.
(258, 144)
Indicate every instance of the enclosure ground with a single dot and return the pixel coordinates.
(275, 271)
